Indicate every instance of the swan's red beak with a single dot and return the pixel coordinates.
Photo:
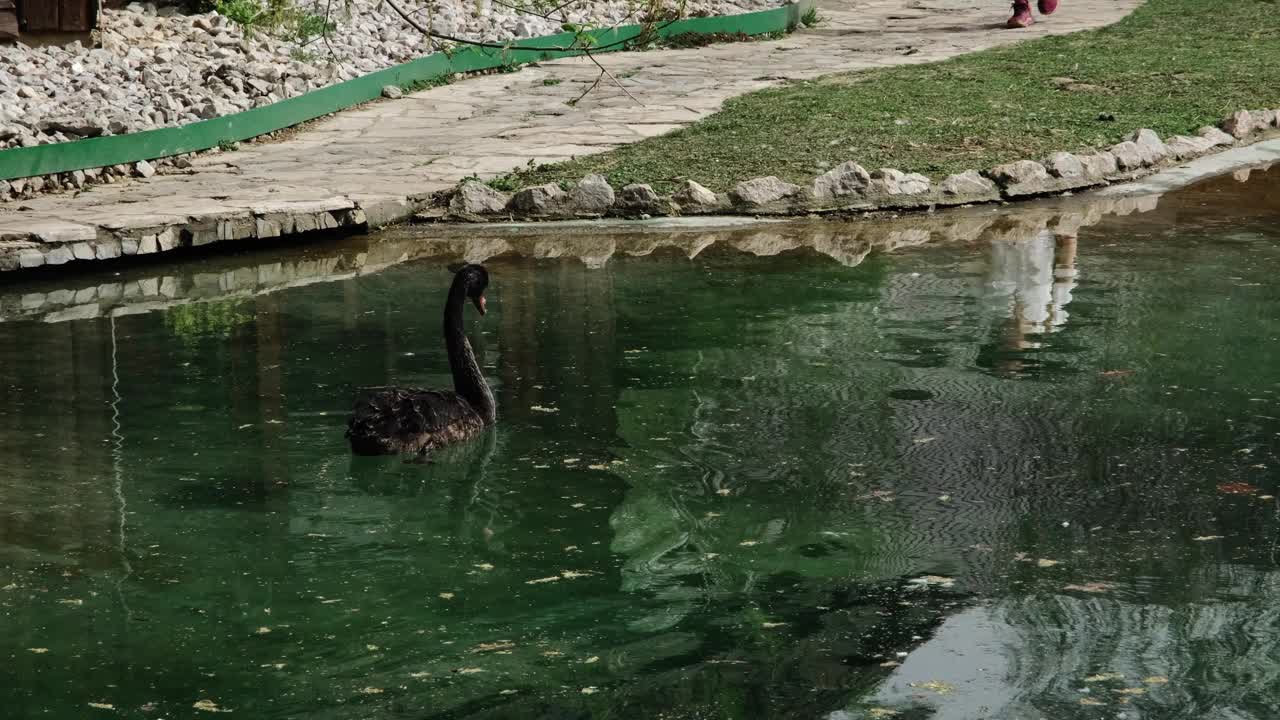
(479, 303)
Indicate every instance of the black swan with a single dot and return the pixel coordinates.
(392, 420)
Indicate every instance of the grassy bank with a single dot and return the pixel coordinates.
(1173, 66)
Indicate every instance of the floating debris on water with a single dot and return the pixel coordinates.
(932, 581)
(937, 686)
(1090, 587)
(496, 646)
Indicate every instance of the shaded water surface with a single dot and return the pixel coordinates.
(975, 467)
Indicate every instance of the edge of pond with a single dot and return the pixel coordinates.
(1164, 181)
(165, 282)
(309, 221)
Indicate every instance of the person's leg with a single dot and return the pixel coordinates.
(1021, 14)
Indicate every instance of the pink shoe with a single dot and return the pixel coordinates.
(1047, 6)
(1021, 15)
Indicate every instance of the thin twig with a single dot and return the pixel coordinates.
(560, 7)
(524, 10)
(547, 15)
(648, 30)
(328, 25)
(495, 46)
(614, 79)
(586, 92)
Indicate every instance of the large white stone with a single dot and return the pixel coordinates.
(641, 199)
(1239, 124)
(1215, 136)
(1182, 147)
(1151, 147)
(1128, 156)
(845, 180)
(888, 183)
(969, 183)
(1099, 166)
(540, 200)
(1022, 177)
(694, 199)
(593, 195)
(474, 200)
(1066, 166)
(761, 193)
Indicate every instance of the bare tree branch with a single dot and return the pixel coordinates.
(527, 11)
(496, 46)
(648, 30)
(587, 91)
(614, 79)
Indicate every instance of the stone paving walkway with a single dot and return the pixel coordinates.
(375, 164)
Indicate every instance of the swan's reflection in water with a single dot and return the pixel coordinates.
(724, 457)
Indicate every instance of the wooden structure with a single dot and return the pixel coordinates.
(8, 20)
(46, 17)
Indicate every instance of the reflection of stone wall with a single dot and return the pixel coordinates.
(75, 397)
(55, 425)
(557, 345)
(143, 290)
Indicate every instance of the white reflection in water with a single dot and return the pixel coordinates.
(1032, 281)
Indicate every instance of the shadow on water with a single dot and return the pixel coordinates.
(972, 464)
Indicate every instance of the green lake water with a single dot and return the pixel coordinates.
(1027, 473)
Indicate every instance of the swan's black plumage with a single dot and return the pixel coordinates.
(412, 420)
(409, 420)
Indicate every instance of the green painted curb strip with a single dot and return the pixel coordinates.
(206, 134)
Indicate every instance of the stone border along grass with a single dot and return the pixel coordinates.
(102, 152)
(161, 287)
(850, 188)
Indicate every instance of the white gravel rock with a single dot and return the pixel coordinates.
(157, 68)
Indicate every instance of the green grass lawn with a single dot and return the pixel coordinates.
(1173, 66)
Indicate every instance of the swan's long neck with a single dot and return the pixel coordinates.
(468, 381)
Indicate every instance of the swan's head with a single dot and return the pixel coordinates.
(475, 279)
